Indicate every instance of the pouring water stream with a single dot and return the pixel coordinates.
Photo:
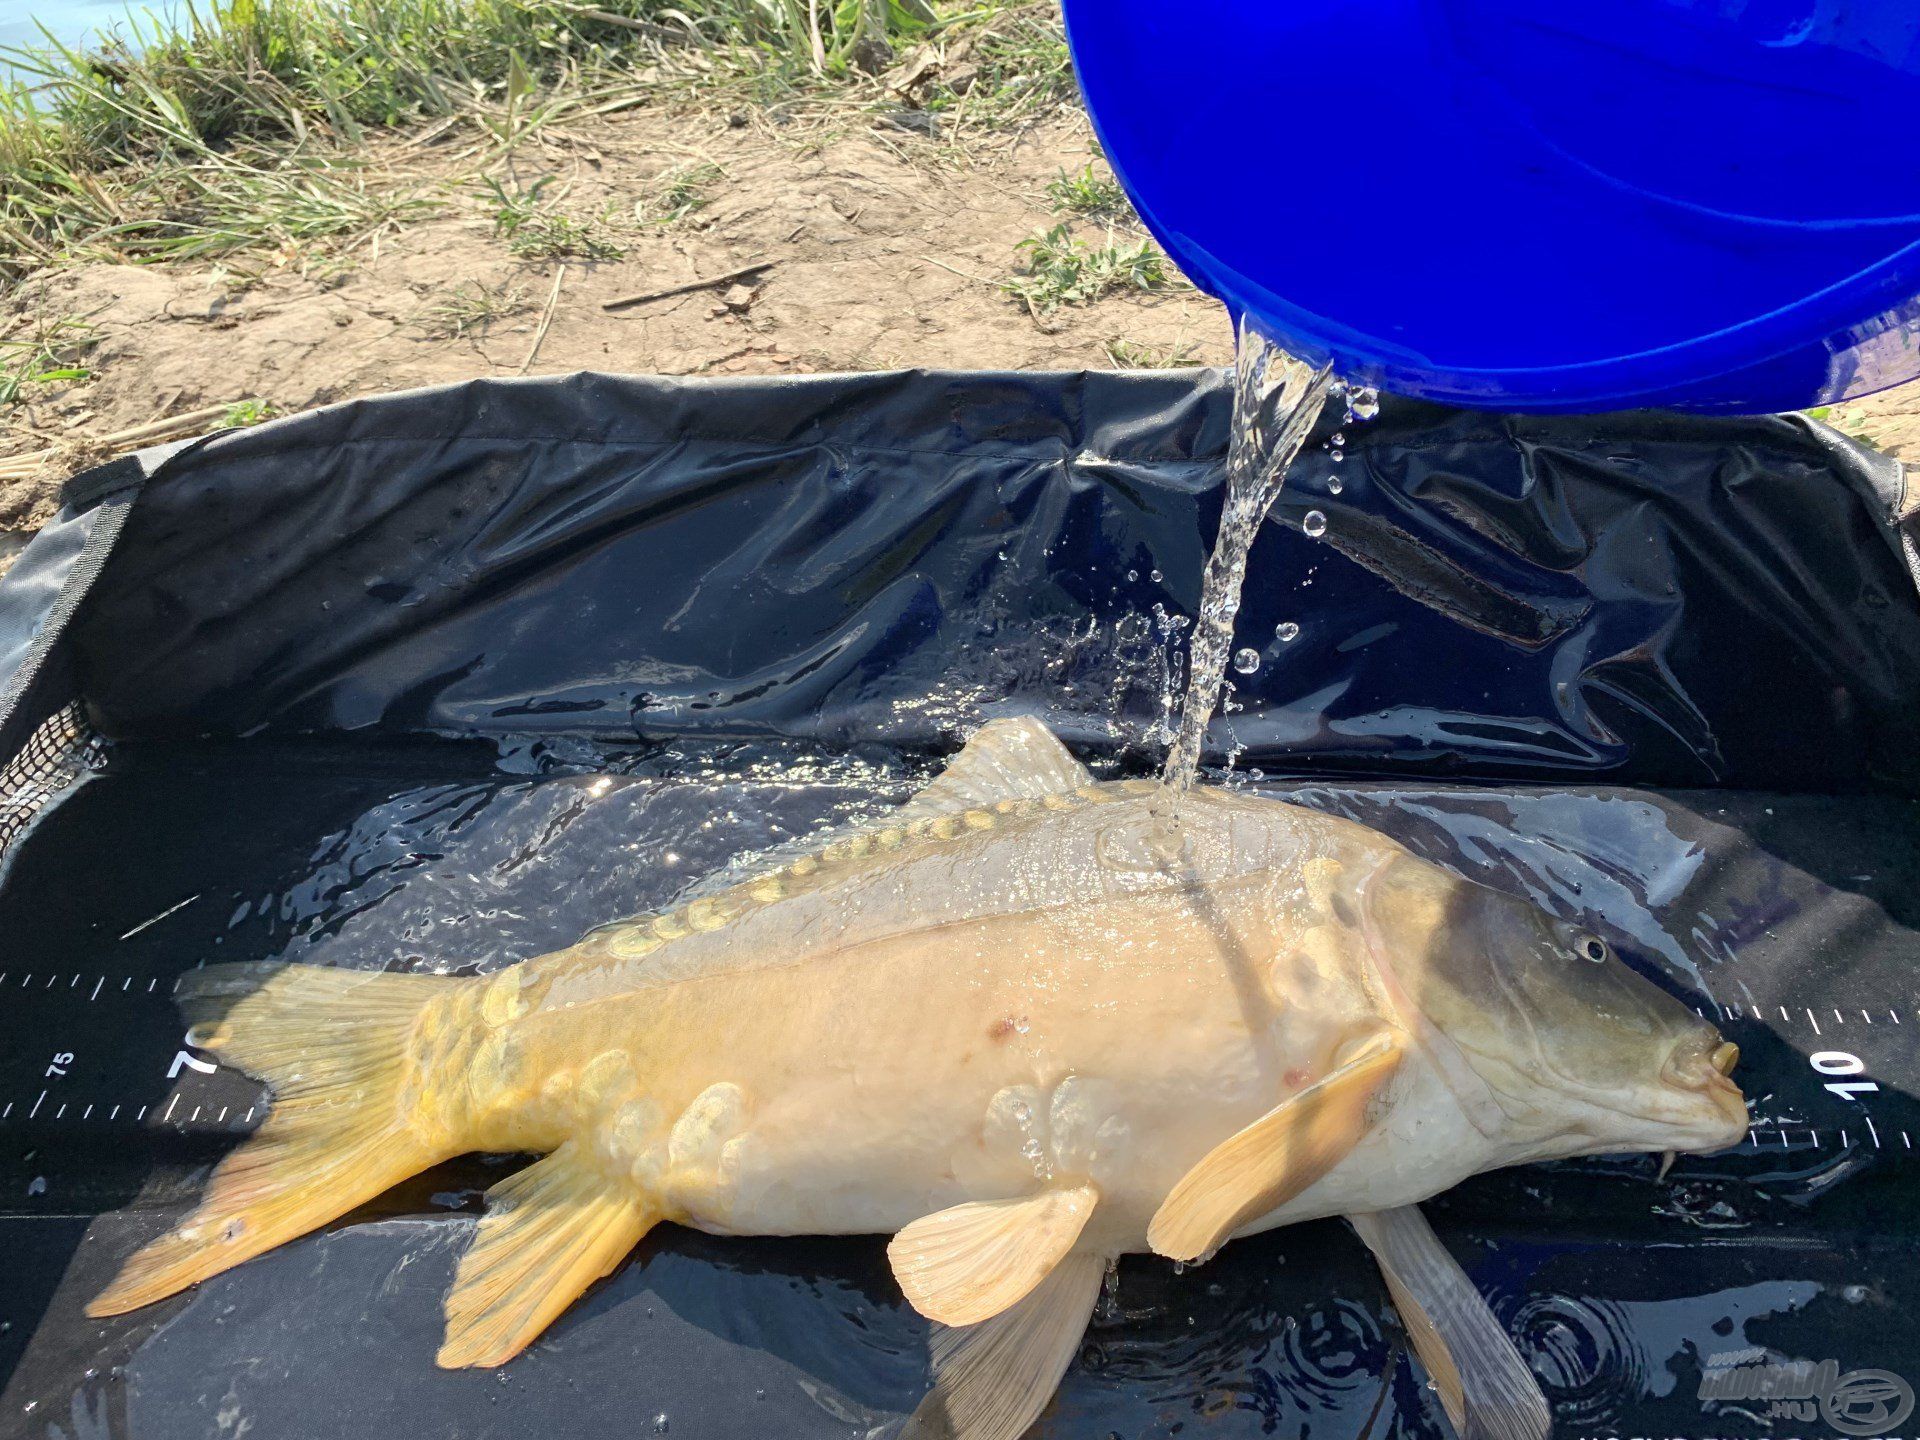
(1276, 401)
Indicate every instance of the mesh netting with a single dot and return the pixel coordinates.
(57, 753)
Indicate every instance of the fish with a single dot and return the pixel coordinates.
(1025, 1023)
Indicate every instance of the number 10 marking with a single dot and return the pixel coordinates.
(1839, 1062)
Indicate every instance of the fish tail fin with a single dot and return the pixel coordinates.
(340, 1049)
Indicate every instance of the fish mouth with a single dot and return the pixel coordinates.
(1698, 1075)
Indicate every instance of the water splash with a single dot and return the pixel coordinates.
(1276, 400)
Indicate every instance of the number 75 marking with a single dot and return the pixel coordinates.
(1839, 1062)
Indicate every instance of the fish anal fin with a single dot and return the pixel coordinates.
(550, 1231)
(1265, 1165)
(992, 1380)
(1485, 1386)
(1012, 759)
(967, 1264)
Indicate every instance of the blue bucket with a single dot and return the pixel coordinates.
(1543, 205)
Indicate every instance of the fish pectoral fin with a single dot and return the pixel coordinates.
(966, 1265)
(550, 1231)
(1484, 1384)
(1275, 1158)
(992, 1380)
(1015, 759)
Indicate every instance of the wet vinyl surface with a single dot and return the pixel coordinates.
(1790, 919)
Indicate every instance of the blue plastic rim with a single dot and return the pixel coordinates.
(1543, 205)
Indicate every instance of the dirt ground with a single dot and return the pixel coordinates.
(885, 250)
(883, 253)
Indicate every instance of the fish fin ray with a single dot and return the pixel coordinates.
(1265, 1165)
(992, 1380)
(965, 1265)
(1485, 1386)
(550, 1231)
(1010, 759)
(336, 1046)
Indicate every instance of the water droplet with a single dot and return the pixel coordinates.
(1133, 575)
(660, 1423)
(1363, 403)
(1315, 524)
(37, 1185)
(1339, 440)
(1247, 661)
(1335, 484)
(1155, 576)
(1286, 632)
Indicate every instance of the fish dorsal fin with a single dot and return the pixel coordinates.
(1014, 759)
(1275, 1158)
(1485, 1386)
(992, 1380)
(967, 1264)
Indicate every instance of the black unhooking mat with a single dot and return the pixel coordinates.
(443, 679)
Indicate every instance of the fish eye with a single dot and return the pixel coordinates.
(1592, 947)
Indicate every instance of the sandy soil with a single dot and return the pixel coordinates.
(885, 250)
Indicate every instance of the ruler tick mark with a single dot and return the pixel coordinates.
(1838, 1018)
(1866, 1017)
(1873, 1132)
(8, 1111)
(86, 1112)
(170, 1104)
(223, 1114)
(195, 1116)
(113, 1112)
(96, 989)
(1813, 1022)
(36, 1106)
(150, 985)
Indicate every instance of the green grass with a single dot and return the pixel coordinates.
(244, 123)
(468, 307)
(1131, 355)
(247, 412)
(1093, 191)
(48, 354)
(1058, 268)
(535, 230)
(677, 193)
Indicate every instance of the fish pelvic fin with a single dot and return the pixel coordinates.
(1485, 1386)
(992, 1380)
(338, 1048)
(965, 1265)
(1275, 1158)
(550, 1231)
(1011, 759)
